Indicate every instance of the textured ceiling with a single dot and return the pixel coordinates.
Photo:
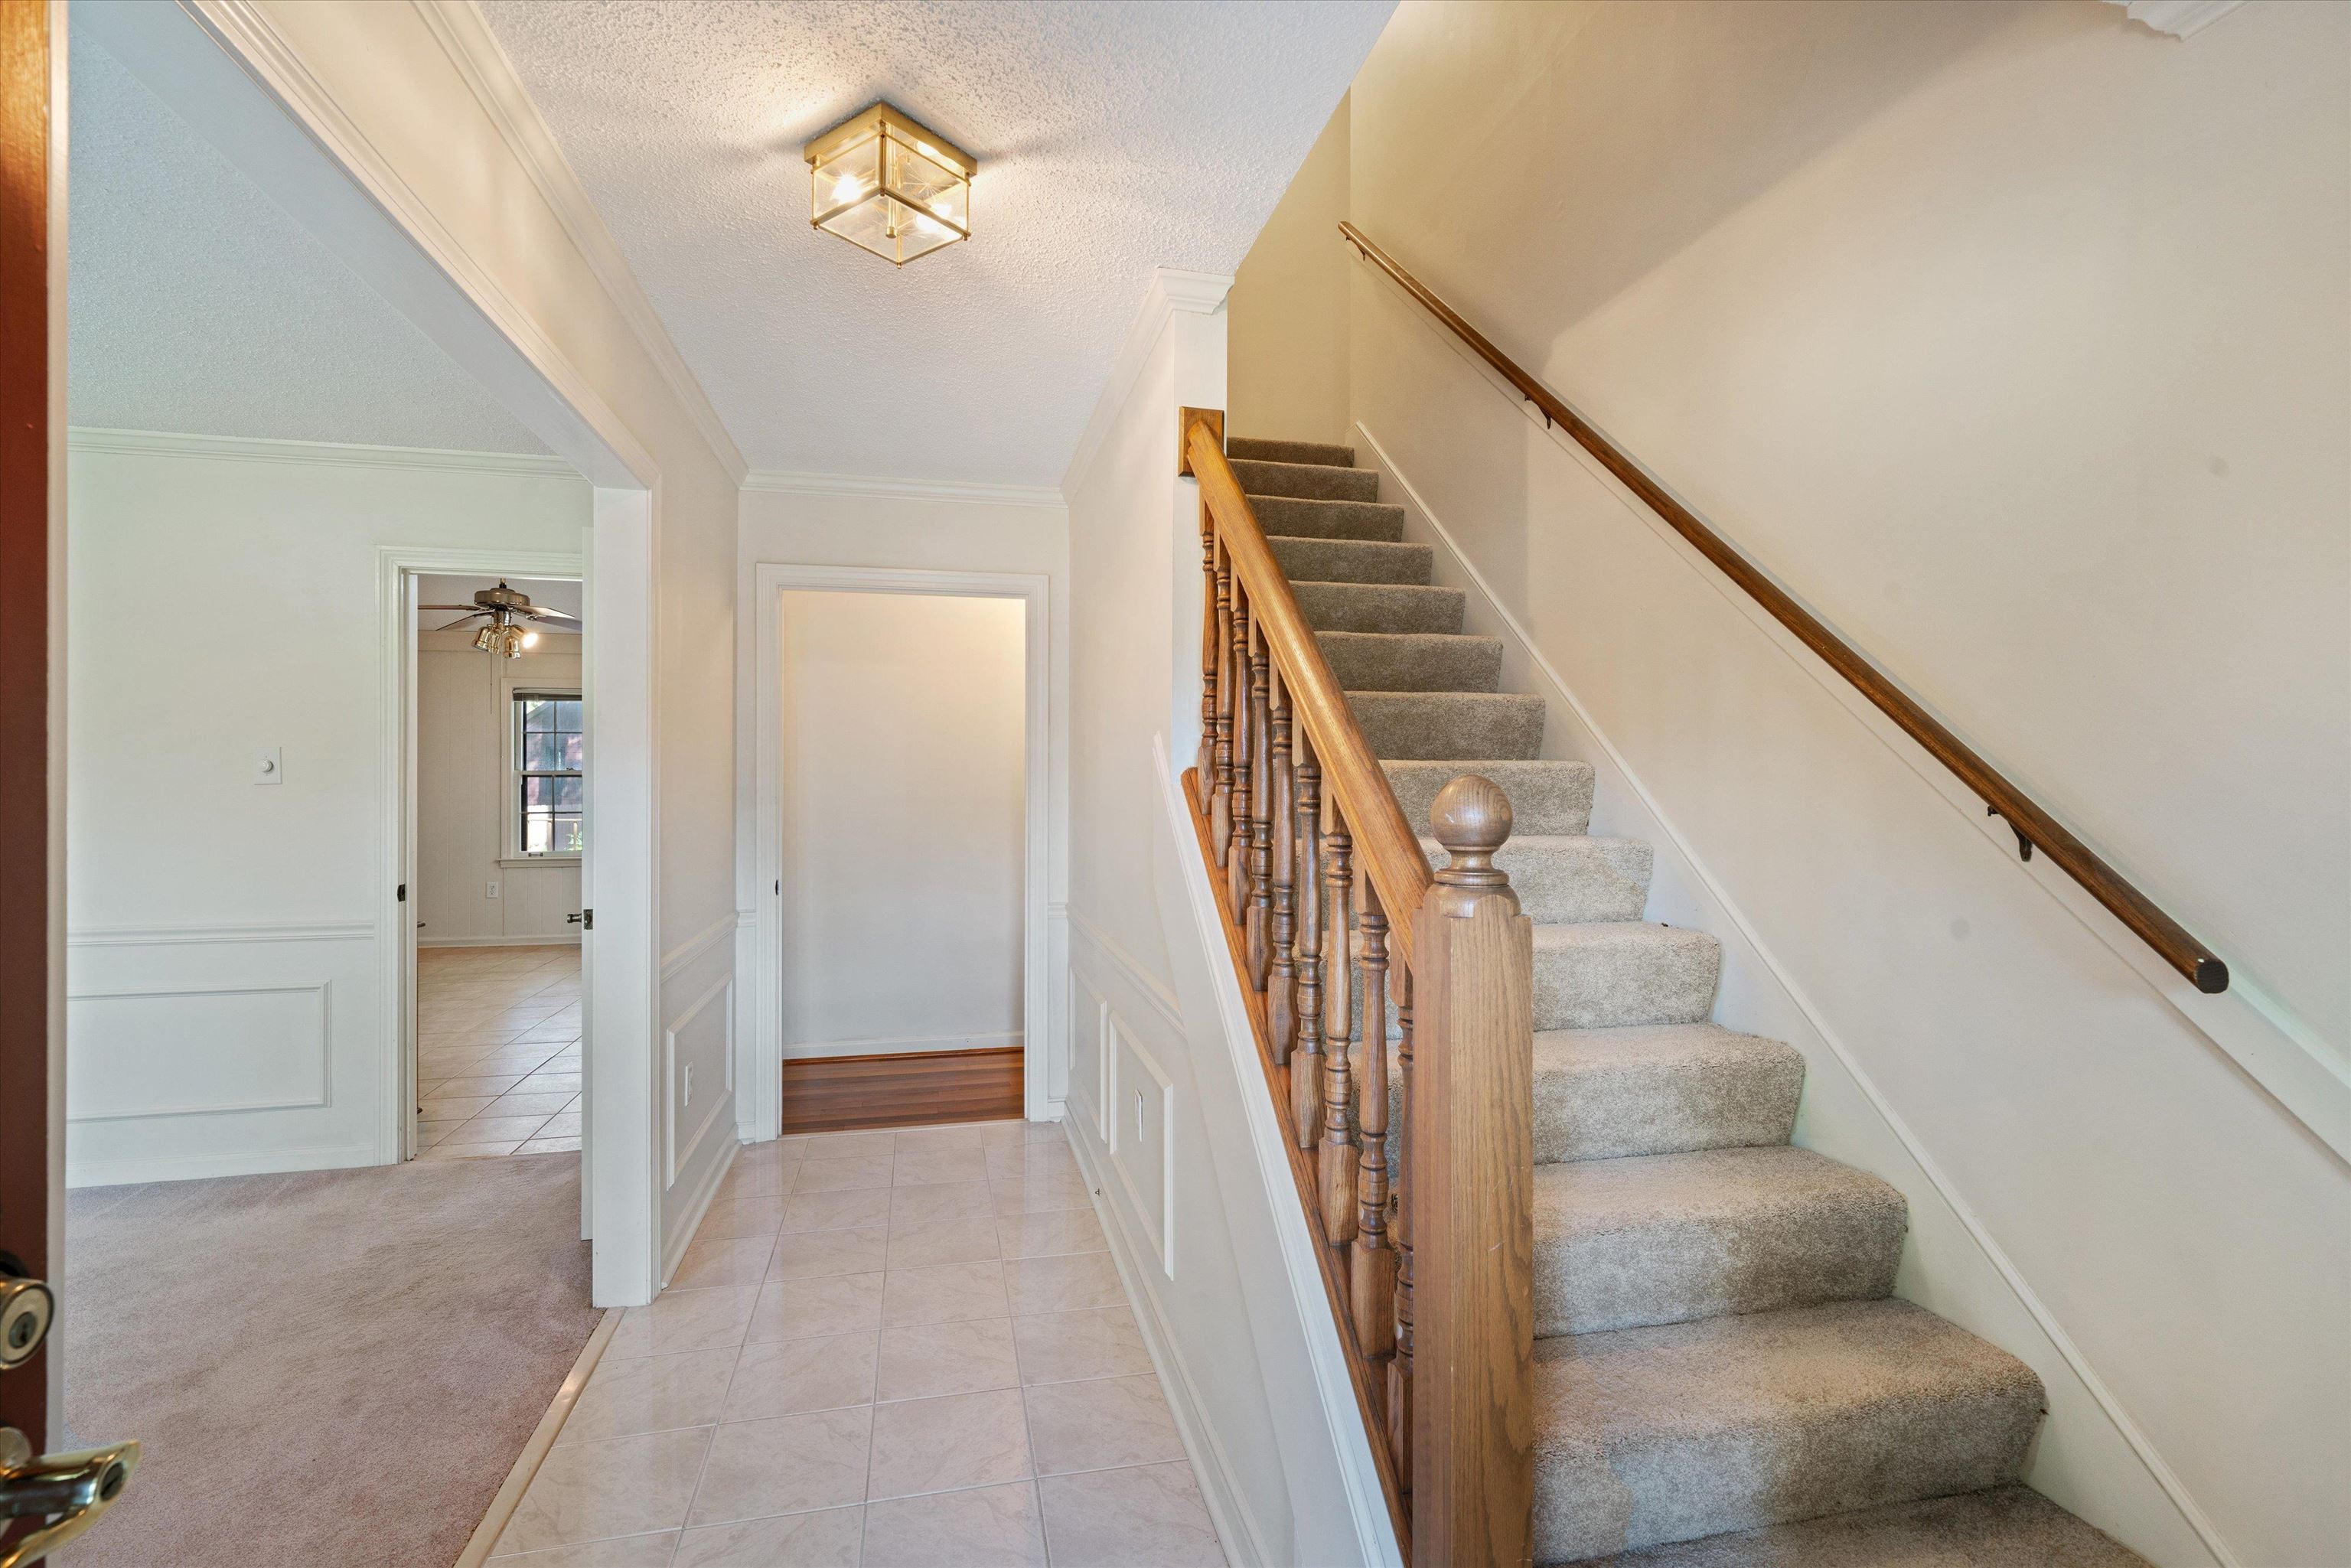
(1111, 137)
(197, 305)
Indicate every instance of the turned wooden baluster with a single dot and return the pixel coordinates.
(1221, 803)
(1237, 849)
(1306, 1061)
(1372, 1274)
(1335, 1165)
(1210, 649)
(1260, 912)
(1400, 1367)
(1280, 1002)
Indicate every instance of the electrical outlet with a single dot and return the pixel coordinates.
(689, 1083)
(490, 890)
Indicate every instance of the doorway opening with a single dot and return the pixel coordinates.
(902, 826)
(495, 810)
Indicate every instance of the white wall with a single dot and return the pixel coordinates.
(903, 824)
(1197, 1226)
(816, 521)
(226, 945)
(420, 96)
(2011, 336)
(464, 794)
(1288, 313)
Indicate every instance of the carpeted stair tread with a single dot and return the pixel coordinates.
(1350, 560)
(1655, 1435)
(1307, 517)
(1723, 1380)
(1253, 449)
(1563, 879)
(1378, 606)
(1412, 661)
(2002, 1527)
(1309, 481)
(1546, 796)
(1604, 975)
(1659, 1089)
(1665, 1239)
(1422, 725)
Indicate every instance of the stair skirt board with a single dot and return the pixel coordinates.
(1723, 1376)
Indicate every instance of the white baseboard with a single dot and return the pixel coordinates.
(909, 1045)
(273, 1161)
(1220, 1489)
(569, 941)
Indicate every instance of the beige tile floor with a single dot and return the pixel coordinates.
(883, 1348)
(498, 1052)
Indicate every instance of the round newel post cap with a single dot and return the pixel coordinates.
(1471, 816)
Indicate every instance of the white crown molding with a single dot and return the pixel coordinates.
(464, 35)
(253, 41)
(2180, 18)
(328, 454)
(784, 482)
(1172, 289)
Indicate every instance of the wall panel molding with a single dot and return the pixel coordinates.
(112, 1078)
(201, 934)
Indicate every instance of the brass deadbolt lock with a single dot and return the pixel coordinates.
(27, 1308)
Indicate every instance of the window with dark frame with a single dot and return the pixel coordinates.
(548, 753)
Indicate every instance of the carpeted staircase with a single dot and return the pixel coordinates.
(1723, 1376)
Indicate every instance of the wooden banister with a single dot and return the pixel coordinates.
(1329, 910)
(1384, 844)
(2034, 827)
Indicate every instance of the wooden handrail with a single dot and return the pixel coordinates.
(1384, 844)
(2034, 827)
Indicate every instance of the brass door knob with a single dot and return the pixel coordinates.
(69, 1491)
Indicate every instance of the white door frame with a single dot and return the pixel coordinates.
(296, 141)
(759, 1067)
(397, 568)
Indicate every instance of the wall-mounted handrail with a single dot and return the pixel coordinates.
(2034, 827)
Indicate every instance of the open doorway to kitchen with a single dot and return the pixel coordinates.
(498, 790)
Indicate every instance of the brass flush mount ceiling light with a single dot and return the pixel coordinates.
(886, 184)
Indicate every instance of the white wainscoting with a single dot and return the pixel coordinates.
(205, 1051)
(697, 1131)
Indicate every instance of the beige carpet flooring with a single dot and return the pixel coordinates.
(328, 1370)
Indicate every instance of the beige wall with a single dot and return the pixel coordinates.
(463, 794)
(899, 789)
(1287, 315)
(2012, 338)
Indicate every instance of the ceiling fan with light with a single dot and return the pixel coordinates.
(504, 612)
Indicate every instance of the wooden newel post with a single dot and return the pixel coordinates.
(1472, 1186)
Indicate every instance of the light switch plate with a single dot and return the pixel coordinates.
(269, 765)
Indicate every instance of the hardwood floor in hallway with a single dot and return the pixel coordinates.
(905, 1347)
(498, 1052)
